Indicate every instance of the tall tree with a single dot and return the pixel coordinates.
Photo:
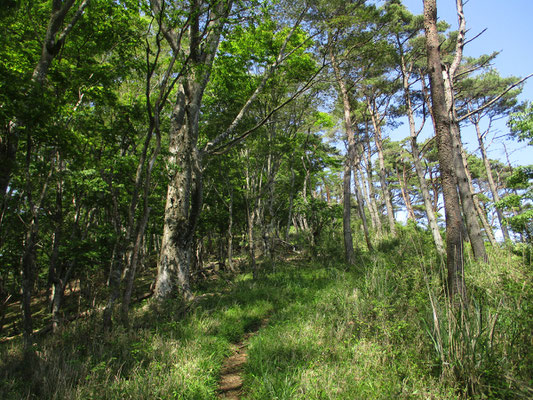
(409, 55)
(196, 42)
(454, 239)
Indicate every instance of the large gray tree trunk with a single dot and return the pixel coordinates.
(183, 199)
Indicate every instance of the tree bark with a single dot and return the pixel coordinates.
(454, 240)
(461, 168)
(182, 204)
(230, 230)
(482, 214)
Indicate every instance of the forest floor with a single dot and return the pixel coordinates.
(304, 329)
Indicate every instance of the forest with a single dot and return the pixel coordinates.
(203, 199)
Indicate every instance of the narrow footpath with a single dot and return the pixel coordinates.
(231, 380)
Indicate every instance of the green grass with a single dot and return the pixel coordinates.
(364, 332)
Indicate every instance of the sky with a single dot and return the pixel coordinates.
(509, 30)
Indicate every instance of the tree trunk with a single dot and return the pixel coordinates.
(361, 207)
(184, 163)
(230, 231)
(133, 262)
(461, 168)
(291, 201)
(490, 179)
(405, 195)
(415, 152)
(372, 206)
(183, 202)
(482, 214)
(454, 240)
(382, 176)
(251, 242)
(350, 155)
(346, 216)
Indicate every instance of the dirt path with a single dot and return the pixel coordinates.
(231, 380)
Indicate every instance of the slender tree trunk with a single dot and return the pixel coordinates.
(27, 261)
(346, 217)
(28, 278)
(371, 195)
(454, 240)
(490, 179)
(133, 263)
(415, 152)
(482, 214)
(361, 207)
(405, 195)
(251, 241)
(230, 230)
(382, 174)
(58, 275)
(350, 155)
(366, 198)
(291, 201)
(116, 266)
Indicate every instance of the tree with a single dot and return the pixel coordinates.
(454, 240)
(195, 41)
(475, 94)
(409, 57)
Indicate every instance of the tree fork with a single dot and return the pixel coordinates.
(454, 239)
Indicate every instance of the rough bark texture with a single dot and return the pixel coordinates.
(180, 208)
(454, 240)
(461, 171)
(184, 163)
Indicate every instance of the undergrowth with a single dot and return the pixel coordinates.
(381, 329)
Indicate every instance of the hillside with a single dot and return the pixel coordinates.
(381, 329)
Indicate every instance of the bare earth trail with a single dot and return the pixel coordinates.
(231, 380)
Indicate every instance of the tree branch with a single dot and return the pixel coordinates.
(494, 100)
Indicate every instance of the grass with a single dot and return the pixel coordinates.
(364, 332)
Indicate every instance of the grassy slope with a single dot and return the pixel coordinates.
(333, 333)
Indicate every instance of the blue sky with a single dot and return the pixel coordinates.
(509, 25)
